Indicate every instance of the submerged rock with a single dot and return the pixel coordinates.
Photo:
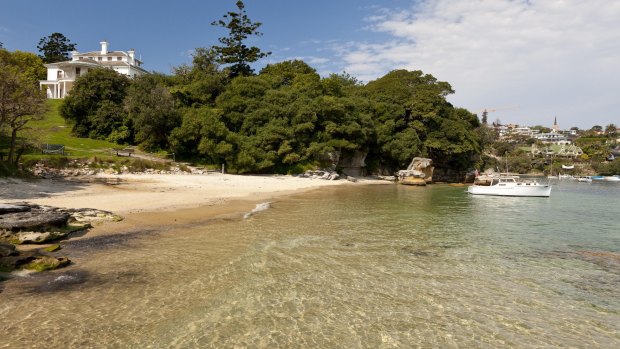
(44, 263)
(52, 248)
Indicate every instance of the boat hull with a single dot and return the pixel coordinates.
(606, 178)
(520, 190)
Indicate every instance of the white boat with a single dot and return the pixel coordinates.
(584, 179)
(568, 167)
(511, 186)
(615, 178)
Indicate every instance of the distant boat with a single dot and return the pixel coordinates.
(586, 179)
(568, 167)
(510, 186)
(615, 178)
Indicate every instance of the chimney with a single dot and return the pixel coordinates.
(104, 47)
(74, 55)
(132, 56)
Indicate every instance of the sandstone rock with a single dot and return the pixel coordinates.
(321, 174)
(419, 172)
(7, 250)
(8, 208)
(52, 248)
(35, 237)
(17, 259)
(413, 181)
(43, 263)
(33, 220)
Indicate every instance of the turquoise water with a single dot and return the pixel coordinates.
(382, 266)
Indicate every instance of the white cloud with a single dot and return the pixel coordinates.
(551, 57)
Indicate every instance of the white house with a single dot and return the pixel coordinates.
(553, 138)
(61, 76)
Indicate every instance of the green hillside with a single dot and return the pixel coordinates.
(54, 130)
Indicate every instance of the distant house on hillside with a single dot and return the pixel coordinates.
(62, 75)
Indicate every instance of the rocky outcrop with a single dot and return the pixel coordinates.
(419, 172)
(321, 174)
(353, 163)
(30, 223)
(25, 223)
(33, 220)
(449, 175)
(44, 263)
(37, 260)
(8, 208)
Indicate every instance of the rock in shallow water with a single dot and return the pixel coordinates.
(48, 263)
(31, 220)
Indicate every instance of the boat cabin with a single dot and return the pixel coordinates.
(502, 181)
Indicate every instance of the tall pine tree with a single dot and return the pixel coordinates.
(55, 48)
(234, 51)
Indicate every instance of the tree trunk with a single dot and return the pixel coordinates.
(19, 153)
(12, 146)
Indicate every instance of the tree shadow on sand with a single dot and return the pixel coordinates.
(24, 189)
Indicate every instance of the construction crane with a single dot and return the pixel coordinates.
(485, 112)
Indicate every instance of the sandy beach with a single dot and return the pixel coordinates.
(138, 193)
(151, 201)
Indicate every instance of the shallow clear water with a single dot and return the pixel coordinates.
(376, 266)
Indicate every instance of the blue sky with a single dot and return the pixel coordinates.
(529, 60)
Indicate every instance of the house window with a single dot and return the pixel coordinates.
(109, 58)
(77, 71)
(100, 59)
(119, 58)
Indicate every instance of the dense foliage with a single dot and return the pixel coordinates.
(95, 104)
(284, 119)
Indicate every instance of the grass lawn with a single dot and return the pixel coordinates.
(53, 129)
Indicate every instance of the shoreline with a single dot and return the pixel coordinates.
(145, 200)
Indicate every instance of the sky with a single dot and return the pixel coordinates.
(526, 61)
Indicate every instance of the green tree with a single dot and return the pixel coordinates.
(55, 48)
(200, 83)
(414, 104)
(151, 110)
(21, 101)
(611, 130)
(98, 89)
(485, 116)
(234, 51)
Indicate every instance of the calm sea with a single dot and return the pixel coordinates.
(380, 266)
